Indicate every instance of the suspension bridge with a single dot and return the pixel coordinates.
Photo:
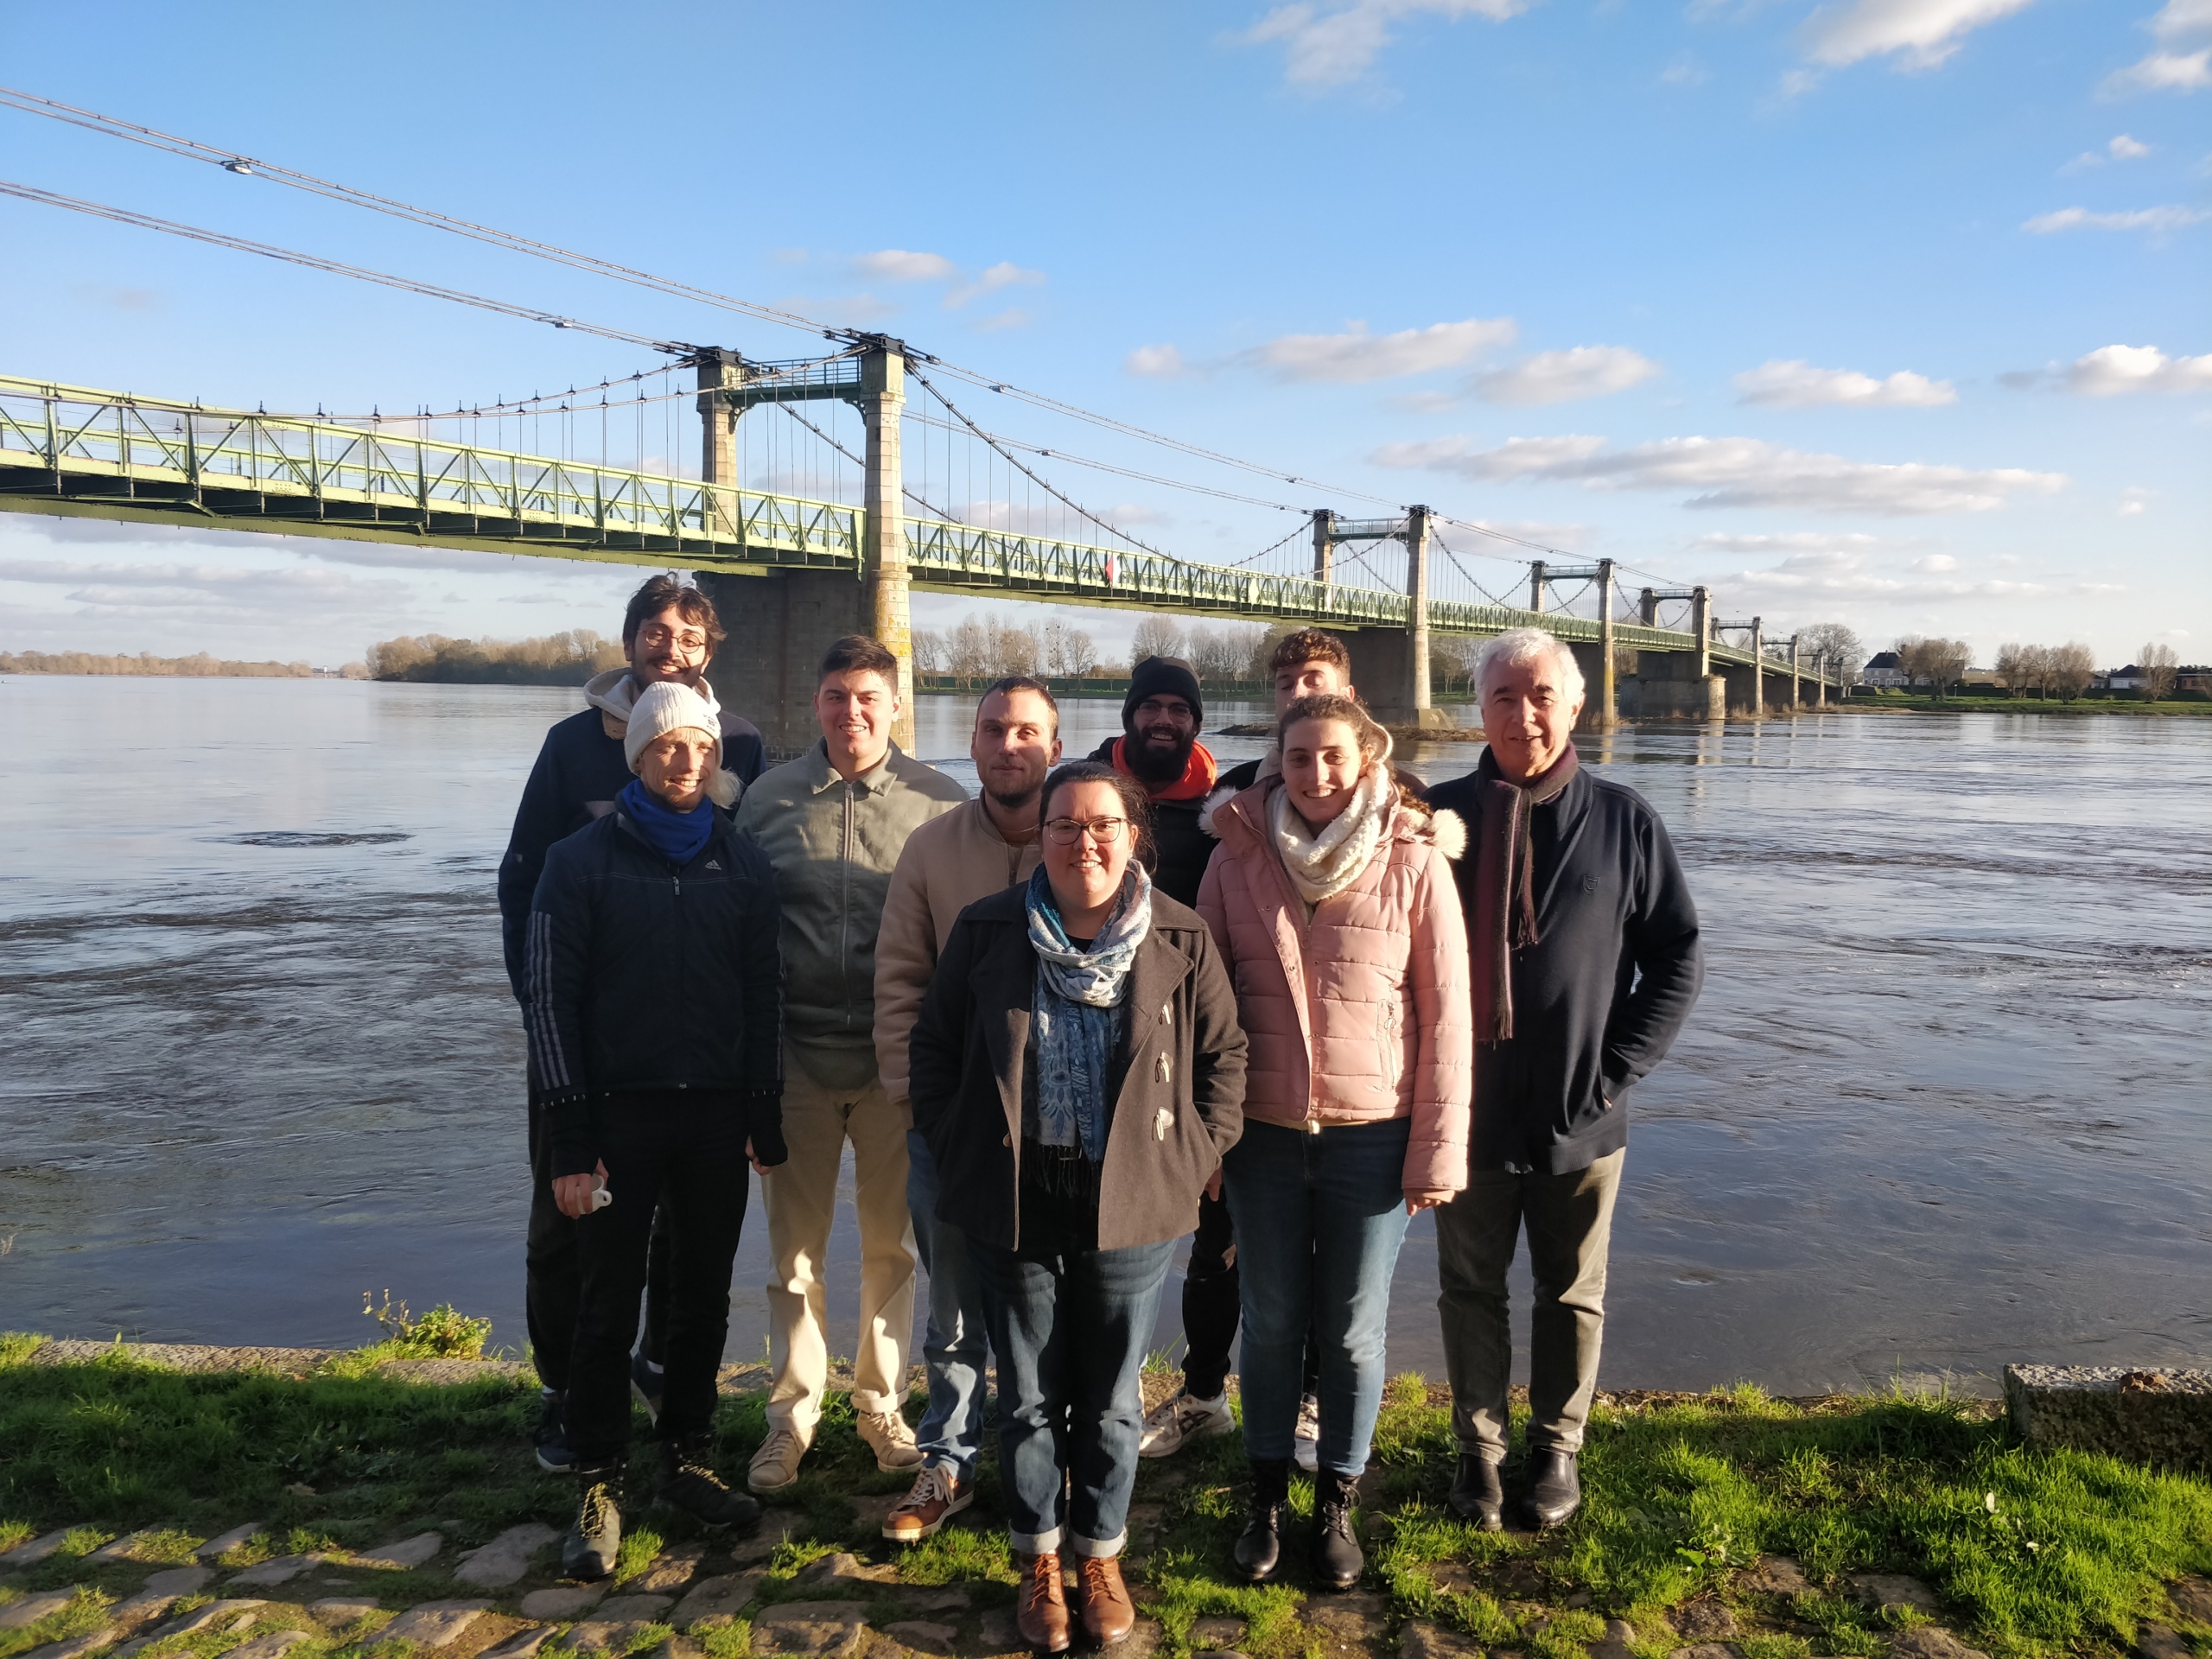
(792, 571)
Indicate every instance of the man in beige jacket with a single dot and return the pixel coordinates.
(832, 823)
(949, 863)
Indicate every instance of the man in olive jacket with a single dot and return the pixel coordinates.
(832, 823)
(1586, 964)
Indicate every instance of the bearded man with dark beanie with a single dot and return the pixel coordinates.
(1584, 946)
(1159, 748)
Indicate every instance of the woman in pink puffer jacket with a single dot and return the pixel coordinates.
(1332, 896)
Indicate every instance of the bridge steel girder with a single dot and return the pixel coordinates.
(76, 452)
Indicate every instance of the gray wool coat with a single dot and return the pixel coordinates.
(1179, 1106)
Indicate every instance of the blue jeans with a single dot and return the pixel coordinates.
(1071, 1332)
(956, 1343)
(1319, 1218)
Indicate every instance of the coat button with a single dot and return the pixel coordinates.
(1006, 1140)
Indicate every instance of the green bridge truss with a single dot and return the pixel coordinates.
(74, 451)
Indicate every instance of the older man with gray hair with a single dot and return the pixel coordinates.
(1585, 959)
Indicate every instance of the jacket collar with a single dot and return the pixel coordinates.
(820, 774)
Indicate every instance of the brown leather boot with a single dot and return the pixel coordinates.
(1107, 1615)
(1040, 1607)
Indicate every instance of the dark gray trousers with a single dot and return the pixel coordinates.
(1570, 1223)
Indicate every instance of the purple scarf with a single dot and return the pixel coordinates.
(1505, 885)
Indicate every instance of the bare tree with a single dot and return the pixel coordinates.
(1948, 661)
(971, 650)
(1014, 649)
(1223, 653)
(2073, 665)
(2158, 664)
(1835, 643)
(1156, 636)
(2011, 668)
(933, 651)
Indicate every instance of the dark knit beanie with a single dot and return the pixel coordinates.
(1163, 677)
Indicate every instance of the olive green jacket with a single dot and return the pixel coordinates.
(833, 846)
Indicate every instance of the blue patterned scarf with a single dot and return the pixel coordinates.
(1077, 1010)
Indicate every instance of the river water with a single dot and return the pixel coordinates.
(1947, 1101)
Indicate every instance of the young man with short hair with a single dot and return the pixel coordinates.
(670, 632)
(970, 853)
(1159, 748)
(832, 823)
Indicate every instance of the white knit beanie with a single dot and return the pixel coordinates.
(669, 706)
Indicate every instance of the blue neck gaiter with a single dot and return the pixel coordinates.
(674, 835)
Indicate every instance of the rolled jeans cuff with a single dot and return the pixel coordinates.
(1097, 1549)
(1046, 1542)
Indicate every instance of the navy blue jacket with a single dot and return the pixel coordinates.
(1601, 995)
(579, 772)
(642, 976)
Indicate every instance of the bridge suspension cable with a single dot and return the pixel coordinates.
(315, 261)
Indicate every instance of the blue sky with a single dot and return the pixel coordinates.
(1889, 312)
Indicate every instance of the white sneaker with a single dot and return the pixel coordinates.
(888, 1436)
(1306, 1447)
(1179, 1419)
(775, 1466)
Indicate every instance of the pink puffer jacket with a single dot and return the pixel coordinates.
(1363, 1013)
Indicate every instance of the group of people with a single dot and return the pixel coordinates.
(1103, 1004)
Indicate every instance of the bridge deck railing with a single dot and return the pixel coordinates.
(94, 447)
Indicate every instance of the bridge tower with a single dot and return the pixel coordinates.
(1796, 696)
(780, 623)
(1391, 663)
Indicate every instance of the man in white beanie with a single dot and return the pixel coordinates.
(669, 631)
(652, 994)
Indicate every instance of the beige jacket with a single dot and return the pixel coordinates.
(946, 866)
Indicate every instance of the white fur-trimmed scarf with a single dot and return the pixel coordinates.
(1322, 865)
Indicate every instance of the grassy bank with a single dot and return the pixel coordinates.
(1690, 1500)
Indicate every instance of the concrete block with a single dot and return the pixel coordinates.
(77, 1646)
(408, 1552)
(719, 1599)
(343, 1610)
(18, 1614)
(229, 1540)
(523, 1644)
(37, 1550)
(564, 1602)
(1932, 1642)
(670, 1571)
(283, 1570)
(920, 1636)
(2162, 1418)
(507, 1558)
(231, 1616)
(434, 1624)
(831, 1629)
(270, 1646)
(605, 1635)
(642, 1609)
(179, 1581)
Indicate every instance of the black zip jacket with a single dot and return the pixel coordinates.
(579, 772)
(641, 977)
(1180, 849)
(1601, 996)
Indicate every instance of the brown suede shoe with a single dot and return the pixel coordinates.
(1040, 1607)
(1108, 1617)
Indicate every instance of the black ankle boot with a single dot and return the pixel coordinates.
(1478, 1492)
(1259, 1547)
(687, 1482)
(1554, 1491)
(596, 1539)
(1337, 1560)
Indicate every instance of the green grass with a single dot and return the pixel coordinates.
(2034, 1552)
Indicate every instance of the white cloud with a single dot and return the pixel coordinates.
(1794, 541)
(1005, 274)
(1918, 34)
(1684, 71)
(898, 265)
(1328, 46)
(2160, 71)
(2168, 218)
(1843, 575)
(2178, 19)
(1565, 377)
(2110, 370)
(2134, 501)
(1154, 363)
(1731, 472)
(2121, 148)
(1795, 383)
(1357, 355)
(1012, 317)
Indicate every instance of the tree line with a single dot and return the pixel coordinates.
(566, 658)
(199, 665)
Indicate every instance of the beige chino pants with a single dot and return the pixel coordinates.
(802, 1202)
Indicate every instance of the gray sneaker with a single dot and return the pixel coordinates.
(1179, 1418)
(596, 1540)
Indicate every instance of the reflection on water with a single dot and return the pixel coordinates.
(1943, 1104)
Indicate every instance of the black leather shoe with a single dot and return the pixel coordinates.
(1337, 1559)
(1554, 1492)
(687, 1482)
(1259, 1547)
(589, 1550)
(1478, 1493)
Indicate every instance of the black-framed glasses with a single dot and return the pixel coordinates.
(1065, 832)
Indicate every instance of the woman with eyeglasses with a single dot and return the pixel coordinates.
(1079, 1070)
(1332, 899)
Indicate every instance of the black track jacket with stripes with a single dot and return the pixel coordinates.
(641, 975)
